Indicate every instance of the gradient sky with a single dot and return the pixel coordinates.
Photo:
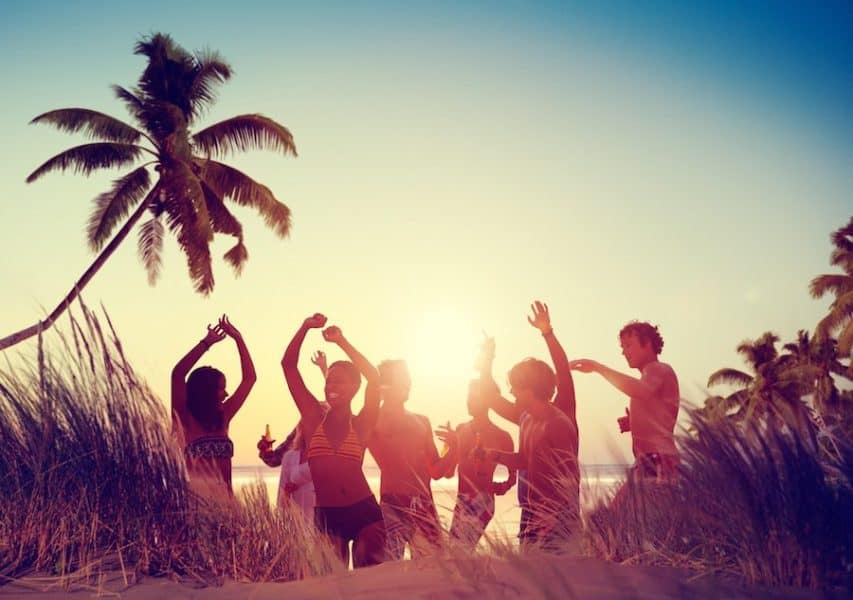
(683, 165)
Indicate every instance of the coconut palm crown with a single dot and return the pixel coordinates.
(187, 191)
(840, 285)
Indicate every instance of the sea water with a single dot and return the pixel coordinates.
(596, 481)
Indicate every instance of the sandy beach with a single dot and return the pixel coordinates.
(482, 577)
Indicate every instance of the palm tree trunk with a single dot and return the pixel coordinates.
(24, 334)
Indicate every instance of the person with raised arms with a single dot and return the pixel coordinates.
(202, 411)
(346, 509)
(475, 500)
(548, 441)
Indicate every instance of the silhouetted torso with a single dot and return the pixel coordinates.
(403, 448)
(653, 420)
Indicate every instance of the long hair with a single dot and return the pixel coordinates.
(202, 401)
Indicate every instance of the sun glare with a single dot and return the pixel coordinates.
(444, 346)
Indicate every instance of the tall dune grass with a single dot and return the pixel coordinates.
(757, 502)
(91, 480)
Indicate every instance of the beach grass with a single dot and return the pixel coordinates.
(93, 481)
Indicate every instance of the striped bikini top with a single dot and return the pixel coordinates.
(351, 448)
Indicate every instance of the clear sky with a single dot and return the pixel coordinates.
(683, 165)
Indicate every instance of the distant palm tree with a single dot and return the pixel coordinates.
(840, 317)
(189, 193)
(770, 392)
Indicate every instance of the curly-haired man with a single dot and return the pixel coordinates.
(653, 408)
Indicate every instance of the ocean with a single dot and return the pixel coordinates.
(595, 481)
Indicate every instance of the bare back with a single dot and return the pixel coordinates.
(403, 447)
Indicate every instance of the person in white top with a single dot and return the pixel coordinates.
(654, 400)
(295, 482)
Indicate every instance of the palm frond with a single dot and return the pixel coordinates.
(90, 157)
(845, 341)
(837, 284)
(183, 187)
(840, 313)
(731, 377)
(237, 257)
(842, 258)
(843, 238)
(211, 71)
(739, 398)
(229, 183)
(243, 133)
(93, 123)
(223, 221)
(181, 219)
(168, 75)
(761, 351)
(131, 100)
(150, 247)
(112, 206)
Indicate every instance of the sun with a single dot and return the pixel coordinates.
(444, 346)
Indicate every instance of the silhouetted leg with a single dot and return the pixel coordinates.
(369, 546)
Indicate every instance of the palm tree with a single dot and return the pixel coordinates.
(840, 317)
(770, 392)
(190, 188)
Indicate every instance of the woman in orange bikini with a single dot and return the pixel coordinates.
(202, 411)
(346, 509)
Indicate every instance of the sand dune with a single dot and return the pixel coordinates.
(530, 577)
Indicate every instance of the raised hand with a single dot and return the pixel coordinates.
(227, 327)
(541, 318)
(315, 321)
(214, 334)
(447, 434)
(486, 355)
(585, 365)
(625, 422)
(265, 445)
(319, 359)
(333, 334)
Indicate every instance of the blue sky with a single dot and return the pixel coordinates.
(678, 163)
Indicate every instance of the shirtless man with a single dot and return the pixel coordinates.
(548, 442)
(475, 500)
(403, 447)
(654, 400)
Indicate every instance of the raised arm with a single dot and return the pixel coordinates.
(541, 320)
(182, 368)
(305, 401)
(489, 390)
(247, 370)
(370, 411)
(640, 389)
(491, 393)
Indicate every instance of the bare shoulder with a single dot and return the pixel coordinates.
(420, 422)
(658, 369)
